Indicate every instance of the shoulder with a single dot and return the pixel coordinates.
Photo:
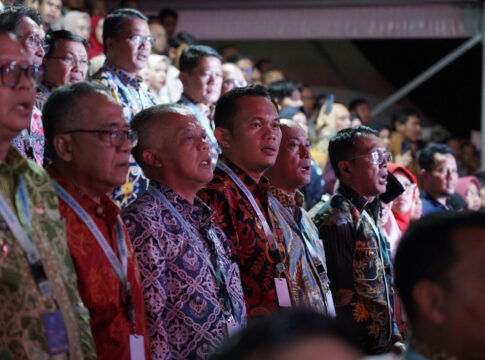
(336, 212)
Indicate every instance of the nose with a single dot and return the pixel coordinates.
(304, 152)
(126, 146)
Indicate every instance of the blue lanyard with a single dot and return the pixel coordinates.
(219, 270)
(280, 267)
(120, 268)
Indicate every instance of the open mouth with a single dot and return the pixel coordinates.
(269, 150)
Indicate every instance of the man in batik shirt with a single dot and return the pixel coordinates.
(26, 24)
(90, 143)
(28, 194)
(358, 256)
(127, 45)
(191, 286)
(306, 261)
(248, 131)
(201, 75)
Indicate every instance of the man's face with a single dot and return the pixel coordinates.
(293, 161)
(365, 177)
(293, 100)
(246, 66)
(31, 37)
(233, 78)
(185, 153)
(15, 103)
(170, 24)
(123, 50)
(255, 138)
(111, 162)
(411, 129)
(363, 110)
(203, 83)
(50, 10)
(59, 65)
(160, 37)
(441, 180)
(463, 307)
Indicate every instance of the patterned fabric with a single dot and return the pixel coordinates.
(185, 315)
(21, 329)
(129, 93)
(41, 96)
(203, 114)
(30, 142)
(236, 217)
(359, 267)
(305, 285)
(99, 286)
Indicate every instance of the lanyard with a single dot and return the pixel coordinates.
(218, 272)
(280, 266)
(25, 238)
(120, 268)
(130, 98)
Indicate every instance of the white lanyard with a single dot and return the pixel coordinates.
(120, 268)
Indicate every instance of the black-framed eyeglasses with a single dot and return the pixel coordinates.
(137, 40)
(10, 74)
(35, 41)
(377, 157)
(71, 61)
(115, 137)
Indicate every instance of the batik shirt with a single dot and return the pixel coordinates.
(307, 287)
(22, 333)
(234, 214)
(31, 142)
(99, 286)
(186, 312)
(41, 96)
(359, 267)
(129, 93)
(203, 114)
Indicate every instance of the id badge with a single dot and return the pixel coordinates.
(232, 326)
(282, 292)
(137, 347)
(55, 332)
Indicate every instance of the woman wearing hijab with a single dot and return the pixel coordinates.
(96, 36)
(468, 188)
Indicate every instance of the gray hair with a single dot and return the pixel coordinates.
(64, 106)
(143, 121)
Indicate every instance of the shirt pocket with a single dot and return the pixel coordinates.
(366, 263)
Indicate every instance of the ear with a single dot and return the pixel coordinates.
(183, 78)
(423, 174)
(223, 137)
(151, 159)
(109, 44)
(344, 168)
(429, 300)
(62, 144)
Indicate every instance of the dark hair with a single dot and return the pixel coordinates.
(63, 105)
(11, 17)
(191, 56)
(266, 335)
(182, 38)
(167, 12)
(123, 3)
(342, 145)
(114, 22)
(236, 57)
(53, 40)
(379, 127)
(283, 88)
(142, 123)
(402, 116)
(356, 102)
(426, 157)
(426, 251)
(226, 107)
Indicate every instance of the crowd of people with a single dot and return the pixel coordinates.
(163, 199)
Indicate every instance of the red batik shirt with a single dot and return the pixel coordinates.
(234, 214)
(99, 286)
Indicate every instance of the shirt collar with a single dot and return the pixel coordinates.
(125, 78)
(358, 200)
(295, 202)
(247, 180)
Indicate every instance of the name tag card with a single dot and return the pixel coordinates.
(55, 332)
(137, 347)
(282, 292)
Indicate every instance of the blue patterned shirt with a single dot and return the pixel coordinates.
(185, 311)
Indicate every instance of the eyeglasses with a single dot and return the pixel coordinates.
(36, 41)
(235, 83)
(71, 61)
(115, 137)
(376, 156)
(10, 74)
(137, 40)
(409, 187)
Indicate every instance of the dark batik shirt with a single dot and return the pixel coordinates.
(359, 267)
(236, 217)
(184, 308)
